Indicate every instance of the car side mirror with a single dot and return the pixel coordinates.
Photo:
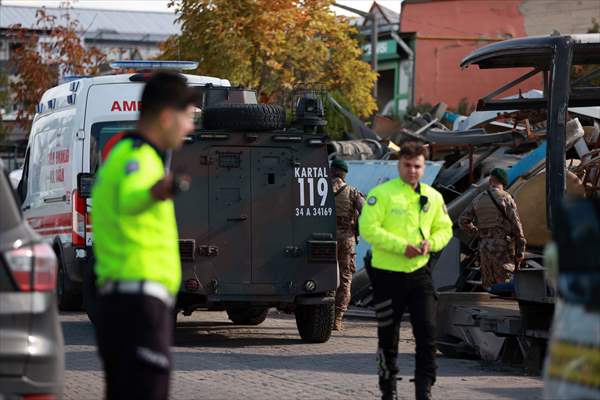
(85, 181)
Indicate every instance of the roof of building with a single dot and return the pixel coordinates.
(390, 16)
(388, 19)
(101, 24)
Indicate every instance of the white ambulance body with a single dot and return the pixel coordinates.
(73, 123)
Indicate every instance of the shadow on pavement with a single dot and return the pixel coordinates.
(221, 338)
(216, 325)
(531, 393)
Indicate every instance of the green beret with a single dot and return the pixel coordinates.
(501, 175)
(339, 164)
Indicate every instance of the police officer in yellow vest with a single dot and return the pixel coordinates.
(136, 244)
(404, 220)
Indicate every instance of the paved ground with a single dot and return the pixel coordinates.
(217, 360)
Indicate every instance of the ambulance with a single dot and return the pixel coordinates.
(73, 124)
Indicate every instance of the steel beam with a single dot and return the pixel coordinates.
(557, 122)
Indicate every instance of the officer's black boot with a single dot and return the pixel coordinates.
(387, 370)
(388, 388)
(423, 389)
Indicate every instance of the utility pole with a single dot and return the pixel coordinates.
(374, 34)
(374, 37)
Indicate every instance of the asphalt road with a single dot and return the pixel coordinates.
(214, 359)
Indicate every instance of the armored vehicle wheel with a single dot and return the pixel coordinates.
(241, 315)
(244, 117)
(315, 322)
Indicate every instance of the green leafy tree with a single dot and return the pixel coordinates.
(274, 46)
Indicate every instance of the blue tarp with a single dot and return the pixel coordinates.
(366, 174)
(530, 161)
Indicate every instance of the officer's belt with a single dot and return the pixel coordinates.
(148, 288)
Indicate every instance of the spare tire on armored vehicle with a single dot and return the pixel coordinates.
(244, 117)
(257, 226)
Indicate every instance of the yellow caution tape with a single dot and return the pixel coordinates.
(576, 363)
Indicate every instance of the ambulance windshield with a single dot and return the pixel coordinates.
(104, 136)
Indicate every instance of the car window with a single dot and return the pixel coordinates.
(47, 160)
(101, 134)
(10, 216)
(36, 151)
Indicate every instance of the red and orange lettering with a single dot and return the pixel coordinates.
(129, 105)
(60, 175)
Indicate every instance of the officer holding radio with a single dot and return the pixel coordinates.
(136, 244)
(404, 220)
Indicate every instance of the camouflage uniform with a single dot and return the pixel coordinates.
(501, 237)
(348, 204)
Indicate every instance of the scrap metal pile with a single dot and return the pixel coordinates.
(511, 324)
(462, 158)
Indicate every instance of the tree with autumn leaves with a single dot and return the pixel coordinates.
(52, 49)
(274, 46)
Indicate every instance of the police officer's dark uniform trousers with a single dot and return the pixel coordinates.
(134, 337)
(397, 215)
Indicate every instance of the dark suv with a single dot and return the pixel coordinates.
(31, 341)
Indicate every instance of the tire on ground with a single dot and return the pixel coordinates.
(244, 117)
(315, 322)
(246, 315)
(68, 293)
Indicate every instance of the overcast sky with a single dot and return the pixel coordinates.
(161, 5)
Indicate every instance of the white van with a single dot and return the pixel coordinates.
(73, 123)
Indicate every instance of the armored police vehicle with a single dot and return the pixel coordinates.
(257, 227)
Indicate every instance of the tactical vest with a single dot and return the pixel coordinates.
(487, 213)
(344, 205)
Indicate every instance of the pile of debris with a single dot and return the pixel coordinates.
(549, 143)
(514, 140)
(464, 150)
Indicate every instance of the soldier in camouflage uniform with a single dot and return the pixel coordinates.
(494, 218)
(348, 204)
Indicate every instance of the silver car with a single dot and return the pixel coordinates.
(31, 340)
